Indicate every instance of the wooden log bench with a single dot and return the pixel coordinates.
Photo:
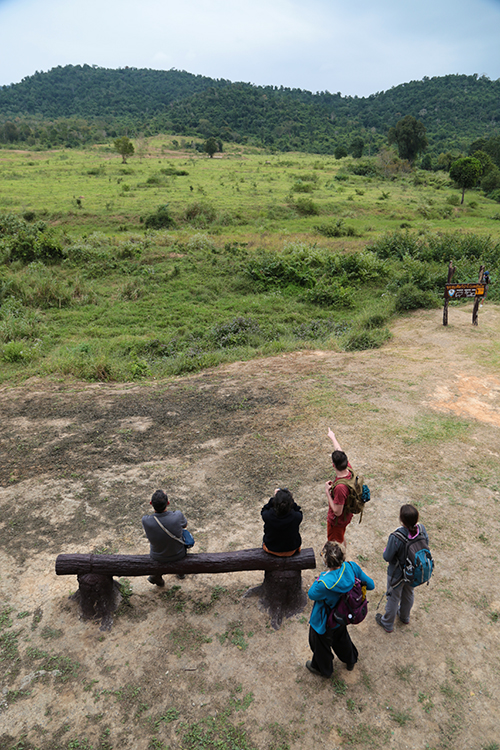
(280, 594)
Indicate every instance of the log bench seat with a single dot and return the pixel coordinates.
(280, 594)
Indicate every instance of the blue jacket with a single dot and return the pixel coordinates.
(327, 589)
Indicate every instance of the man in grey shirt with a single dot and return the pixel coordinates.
(163, 547)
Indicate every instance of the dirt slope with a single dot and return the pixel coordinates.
(195, 665)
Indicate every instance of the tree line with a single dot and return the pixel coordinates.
(75, 105)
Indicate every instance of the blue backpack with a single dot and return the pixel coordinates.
(416, 562)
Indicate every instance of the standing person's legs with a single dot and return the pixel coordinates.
(391, 607)
(335, 533)
(343, 647)
(406, 603)
(320, 645)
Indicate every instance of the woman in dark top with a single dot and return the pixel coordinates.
(282, 517)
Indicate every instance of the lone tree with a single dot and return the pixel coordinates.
(466, 173)
(410, 137)
(210, 146)
(124, 146)
(356, 147)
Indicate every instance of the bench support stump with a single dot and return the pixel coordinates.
(280, 595)
(98, 597)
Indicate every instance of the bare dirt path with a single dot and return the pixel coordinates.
(195, 665)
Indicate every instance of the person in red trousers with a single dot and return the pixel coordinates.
(338, 518)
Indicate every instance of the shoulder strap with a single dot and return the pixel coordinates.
(167, 531)
(348, 481)
(399, 535)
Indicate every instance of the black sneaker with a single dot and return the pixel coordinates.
(310, 667)
(350, 666)
(156, 581)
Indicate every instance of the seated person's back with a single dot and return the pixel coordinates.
(162, 547)
(282, 518)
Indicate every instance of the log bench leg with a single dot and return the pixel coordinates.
(98, 597)
(280, 594)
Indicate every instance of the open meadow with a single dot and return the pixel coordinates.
(175, 262)
(200, 332)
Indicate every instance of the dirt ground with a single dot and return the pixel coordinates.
(195, 665)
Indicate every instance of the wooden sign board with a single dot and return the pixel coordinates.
(459, 291)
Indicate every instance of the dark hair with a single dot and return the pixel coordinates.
(408, 515)
(282, 502)
(334, 555)
(339, 460)
(159, 501)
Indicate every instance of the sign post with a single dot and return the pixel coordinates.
(476, 290)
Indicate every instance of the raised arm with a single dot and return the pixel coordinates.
(331, 435)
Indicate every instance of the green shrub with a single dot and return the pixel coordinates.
(364, 168)
(271, 269)
(358, 340)
(15, 351)
(420, 275)
(26, 242)
(160, 219)
(361, 267)
(396, 245)
(133, 290)
(336, 229)
(236, 332)
(302, 187)
(376, 320)
(17, 322)
(319, 329)
(410, 297)
(41, 288)
(331, 294)
(306, 207)
(200, 214)
(200, 243)
(278, 213)
(172, 171)
(155, 180)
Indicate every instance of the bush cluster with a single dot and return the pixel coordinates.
(25, 242)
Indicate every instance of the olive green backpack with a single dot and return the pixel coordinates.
(359, 494)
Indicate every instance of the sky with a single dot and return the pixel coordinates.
(355, 47)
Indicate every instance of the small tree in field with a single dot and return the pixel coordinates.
(356, 147)
(410, 137)
(210, 147)
(466, 173)
(124, 146)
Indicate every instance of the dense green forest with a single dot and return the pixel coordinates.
(74, 105)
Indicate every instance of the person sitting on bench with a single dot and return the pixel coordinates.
(282, 518)
(164, 528)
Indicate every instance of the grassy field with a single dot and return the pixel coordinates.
(257, 254)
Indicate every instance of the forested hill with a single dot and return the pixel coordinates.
(88, 91)
(455, 109)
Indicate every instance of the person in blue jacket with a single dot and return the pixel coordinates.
(326, 590)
